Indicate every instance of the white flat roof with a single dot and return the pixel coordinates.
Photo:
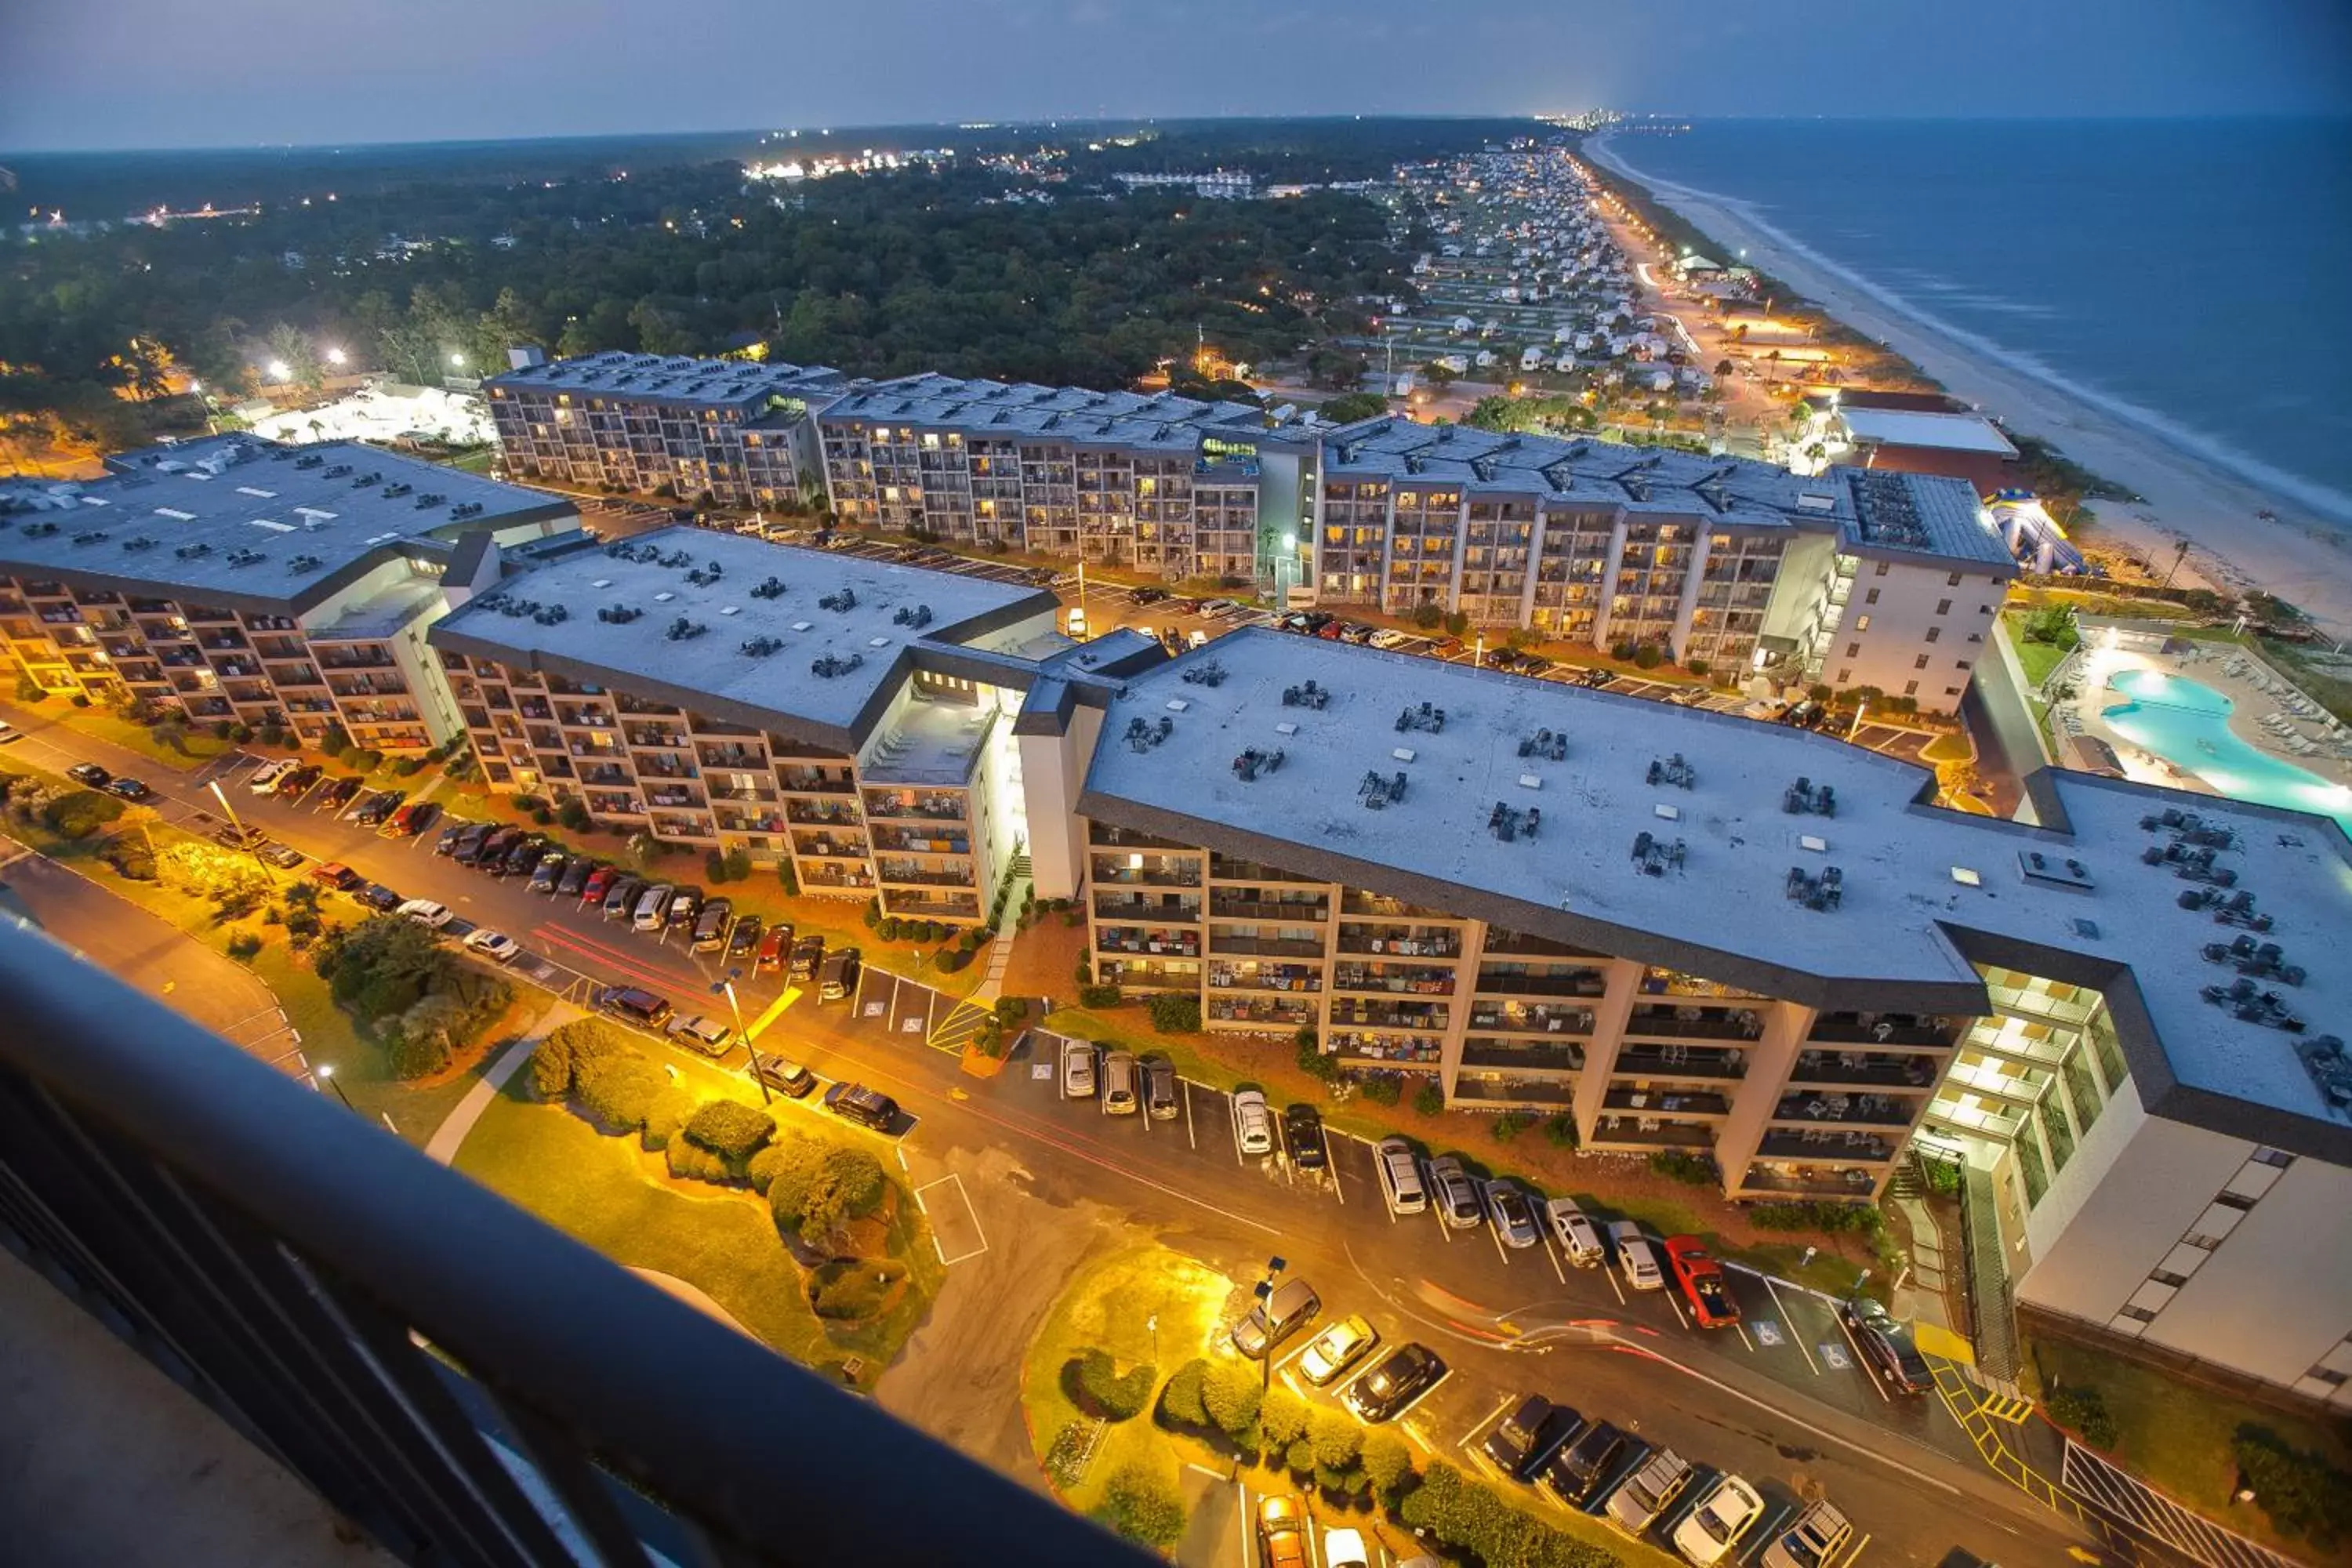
(1917, 427)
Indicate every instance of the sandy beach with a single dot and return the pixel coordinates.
(2304, 557)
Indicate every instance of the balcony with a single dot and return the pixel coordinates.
(1143, 939)
(1861, 1069)
(1678, 1061)
(1398, 941)
(1281, 911)
(1567, 982)
(1833, 1185)
(921, 805)
(804, 781)
(1389, 979)
(1151, 874)
(1833, 1109)
(1694, 1023)
(1666, 1103)
(1884, 1029)
(1264, 1012)
(1146, 911)
(1522, 1058)
(1509, 1092)
(1845, 1148)
(1649, 1132)
(908, 871)
(339, 1348)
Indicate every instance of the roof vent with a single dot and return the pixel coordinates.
(1673, 771)
(1252, 761)
(915, 616)
(1551, 743)
(1379, 794)
(769, 588)
(682, 629)
(840, 603)
(2330, 1068)
(1209, 674)
(830, 666)
(761, 647)
(1654, 856)
(1804, 796)
(1822, 892)
(1142, 734)
(618, 615)
(1305, 695)
(1508, 822)
(1424, 717)
(704, 575)
(2055, 870)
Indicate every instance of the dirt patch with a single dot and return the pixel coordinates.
(1046, 958)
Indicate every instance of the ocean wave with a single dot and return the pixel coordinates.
(2329, 502)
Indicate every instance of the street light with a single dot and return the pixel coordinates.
(255, 846)
(334, 356)
(457, 360)
(1264, 1294)
(280, 370)
(327, 1070)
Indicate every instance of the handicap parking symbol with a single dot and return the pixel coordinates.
(874, 1009)
(1768, 1333)
(1041, 1072)
(1834, 1354)
(911, 1026)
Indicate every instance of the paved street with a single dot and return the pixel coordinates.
(1781, 1399)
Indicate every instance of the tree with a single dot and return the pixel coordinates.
(290, 346)
(1231, 1394)
(1387, 1461)
(1141, 1505)
(1354, 406)
(1283, 1420)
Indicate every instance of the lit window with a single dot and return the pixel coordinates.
(1862, 625)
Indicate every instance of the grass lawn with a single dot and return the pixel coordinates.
(606, 1192)
(194, 749)
(2037, 659)
(1953, 748)
(1109, 1308)
(2177, 1433)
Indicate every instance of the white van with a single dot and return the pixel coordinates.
(1400, 1177)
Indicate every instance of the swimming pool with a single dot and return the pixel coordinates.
(2188, 724)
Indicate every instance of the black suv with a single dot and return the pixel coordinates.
(1302, 1133)
(1888, 1346)
(1579, 1471)
(1381, 1393)
(1524, 1440)
(868, 1108)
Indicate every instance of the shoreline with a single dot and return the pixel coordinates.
(2305, 557)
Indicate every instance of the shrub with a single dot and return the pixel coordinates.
(221, 728)
(872, 914)
(1174, 1013)
(1697, 1170)
(1180, 1403)
(2303, 1493)
(714, 865)
(273, 734)
(1386, 1089)
(1298, 1458)
(1649, 656)
(241, 733)
(888, 928)
(1142, 1505)
(667, 1117)
(335, 742)
(1387, 1462)
(572, 816)
(1457, 624)
(693, 1163)
(410, 1056)
(1011, 1010)
(1336, 1437)
(29, 690)
(1099, 1388)
(1311, 1059)
(365, 760)
(1834, 1219)
(619, 1090)
(851, 1290)
(78, 813)
(949, 960)
(1698, 666)
(788, 1168)
(243, 945)
(2083, 1411)
(789, 877)
(131, 857)
(1428, 618)
(566, 1050)
(1510, 1124)
(739, 865)
(848, 1185)
(386, 965)
(1459, 1512)
(1429, 1098)
(1282, 1421)
(1231, 1395)
(1623, 649)
(732, 1130)
(1099, 996)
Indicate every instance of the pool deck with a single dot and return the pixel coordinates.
(2268, 713)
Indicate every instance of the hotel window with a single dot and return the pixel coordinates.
(1919, 663)
(2268, 1156)
(1853, 650)
(1910, 689)
(1863, 625)
(2139, 1314)
(1943, 607)
(1871, 597)
(1935, 634)
(2175, 1280)
(1879, 569)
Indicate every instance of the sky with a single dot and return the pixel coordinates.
(177, 73)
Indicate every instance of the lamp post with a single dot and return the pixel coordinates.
(327, 1070)
(1861, 707)
(1264, 1294)
(251, 847)
(726, 987)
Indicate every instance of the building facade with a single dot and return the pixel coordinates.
(239, 581)
(733, 432)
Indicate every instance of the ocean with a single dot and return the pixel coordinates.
(2194, 271)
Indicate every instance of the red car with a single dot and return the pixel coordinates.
(775, 945)
(600, 882)
(1701, 1279)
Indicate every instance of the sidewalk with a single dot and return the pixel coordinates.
(450, 1136)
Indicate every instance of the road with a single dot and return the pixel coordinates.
(1781, 1399)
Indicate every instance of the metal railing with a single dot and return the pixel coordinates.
(465, 1383)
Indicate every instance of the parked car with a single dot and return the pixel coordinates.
(338, 876)
(1702, 1282)
(427, 913)
(684, 906)
(229, 835)
(575, 876)
(807, 954)
(862, 1105)
(378, 806)
(703, 1033)
(1252, 1123)
(524, 857)
(285, 857)
(1579, 1238)
(782, 1075)
(1578, 1472)
(89, 774)
(710, 925)
(1887, 1344)
(1817, 1538)
(1457, 1194)
(263, 781)
(379, 897)
(1389, 1389)
(1281, 1312)
(1712, 1529)
(488, 852)
(1338, 1347)
(1281, 1534)
(9, 734)
(1637, 1258)
(600, 882)
(743, 937)
(1121, 1084)
(1148, 596)
(396, 825)
(336, 792)
(128, 788)
(1344, 1548)
(634, 1004)
(549, 871)
(294, 785)
(1524, 1441)
(421, 815)
(1302, 1137)
(836, 977)
(1400, 1173)
(495, 946)
(1648, 1492)
(620, 897)
(1078, 1070)
(451, 837)
(1513, 1214)
(775, 945)
(1160, 1089)
(652, 907)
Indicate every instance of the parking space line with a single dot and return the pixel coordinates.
(1190, 1135)
(1495, 1236)
(1677, 1306)
(1610, 1274)
(1552, 1252)
(1795, 1336)
(1861, 1360)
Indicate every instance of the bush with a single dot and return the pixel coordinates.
(1649, 656)
(335, 742)
(2303, 1493)
(1311, 1059)
(693, 1163)
(1174, 1013)
(786, 1170)
(949, 960)
(1283, 1419)
(1011, 1010)
(888, 928)
(572, 816)
(619, 1091)
(1429, 1098)
(714, 865)
(1231, 1395)
(1457, 624)
(850, 1290)
(1386, 1089)
(1428, 618)
(131, 857)
(2084, 1412)
(363, 759)
(1560, 1130)
(1834, 1219)
(667, 1117)
(1336, 1438)
(221, 727)
(850, 1184)
(273, 734)
(1142, 1505)
(1180, 1403)
(789, 877)
(872, 914)
(732, 1130)
(386, 965)
(1696, 1170)
(78, 813)
(1099, 996)
(1298, 1458)
(1459, 1512)
(1097, 1387)
(241, 733)
(28, 690)
(243, 945)
(1387, 1462)
(738, 864)
(1510, 1124)
(411, 1056)
(557, 1062)
(1697, 667)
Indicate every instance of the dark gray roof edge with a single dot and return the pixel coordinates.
(1047, 709)
(307, 598)
(1824, 992)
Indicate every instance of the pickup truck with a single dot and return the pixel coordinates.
(1701, 1279)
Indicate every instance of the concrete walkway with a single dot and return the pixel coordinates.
(450, 1136)
(693, 1296)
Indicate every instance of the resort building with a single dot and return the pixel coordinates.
(235, 579)
(1849, 578)
(1163, 484)
(733, 432)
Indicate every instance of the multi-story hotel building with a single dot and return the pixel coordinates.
(1163, 484)
(1683, 931)
(1850, 577)
(732, 432)
(236, 579)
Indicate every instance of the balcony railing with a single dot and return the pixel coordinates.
(321, 1286)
